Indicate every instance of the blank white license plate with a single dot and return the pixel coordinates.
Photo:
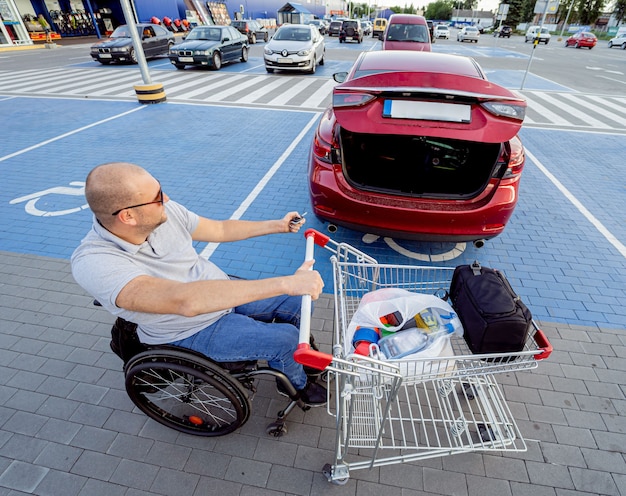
(431, 111)
(185, 59)
(105, 56)
(284, 61)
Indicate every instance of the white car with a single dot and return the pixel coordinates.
(468, 33)
(537, 32)
(619, 41)
(442, 31)
(295, 47)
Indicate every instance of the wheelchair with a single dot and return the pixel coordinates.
(188, 392)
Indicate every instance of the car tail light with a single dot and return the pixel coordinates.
(516, 159)
(506, 109)
(322, 149)
(351, 99)
(325, 151)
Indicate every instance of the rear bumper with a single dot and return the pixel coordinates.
(335, 201)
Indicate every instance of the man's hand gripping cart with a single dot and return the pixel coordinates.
(396, 411)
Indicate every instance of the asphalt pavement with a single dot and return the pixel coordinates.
(67, 425)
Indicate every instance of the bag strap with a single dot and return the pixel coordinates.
(476, 267)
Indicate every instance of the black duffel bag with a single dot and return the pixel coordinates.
(494, 318)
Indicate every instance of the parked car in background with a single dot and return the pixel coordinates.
(295, 47)
(118, 47)
(379, 26)
(351, 30)
(442, 31)
(619, 41)
(536, 32)
(468, 33)
(584, 39)
(418, 145)
(319, 24)
(252, 29)
(334, 28)
(503, 32)
(407, 32)
(431, 30)
(367, 27)
(210, 46)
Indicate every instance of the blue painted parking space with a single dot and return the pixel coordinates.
(513, 79)
(558, 259)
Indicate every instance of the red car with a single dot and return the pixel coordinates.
(584, 39)
(407, 32)
(418, 145)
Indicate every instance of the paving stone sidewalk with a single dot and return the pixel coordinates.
(67, 427)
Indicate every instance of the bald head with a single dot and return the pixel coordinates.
(112, 186)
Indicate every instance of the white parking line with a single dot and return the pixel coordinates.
(210, 248)
(69, 133)
(621, 248)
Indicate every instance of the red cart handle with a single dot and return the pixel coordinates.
(304, 354)
(319, 238)
(309, 357)
(543, 344)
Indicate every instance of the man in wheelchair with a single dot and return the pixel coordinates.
(139, 262)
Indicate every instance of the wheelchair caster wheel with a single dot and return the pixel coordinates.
(276, 429)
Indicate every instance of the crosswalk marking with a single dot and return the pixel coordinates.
(545, 108)
(587, 120)
(545, 112)
(320, 95)
(283, 98)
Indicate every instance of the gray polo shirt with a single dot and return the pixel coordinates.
(103, 264)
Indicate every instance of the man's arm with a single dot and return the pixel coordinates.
(155, 295)
(215, 231)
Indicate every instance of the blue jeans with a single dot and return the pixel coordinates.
(262, 330)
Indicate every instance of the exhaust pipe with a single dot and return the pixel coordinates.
(332, 228)
(479, 243)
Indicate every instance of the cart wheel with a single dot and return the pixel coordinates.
(486, 433)
(327, 470)
(276, 429)
(470, 391)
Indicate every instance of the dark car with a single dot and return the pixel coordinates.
(431, 30)
(418, 145)
(503, 32)
(210, 46)
(320, 25)
(334, 28)
(119, 47)
(351, 30)
(252, 29)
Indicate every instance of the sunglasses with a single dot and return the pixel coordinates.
(160, 200)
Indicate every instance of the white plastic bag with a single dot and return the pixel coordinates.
(385, 307)
(405, 306)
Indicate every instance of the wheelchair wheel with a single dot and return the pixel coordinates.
(186, 392)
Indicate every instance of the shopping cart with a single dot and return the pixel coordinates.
(398, 411)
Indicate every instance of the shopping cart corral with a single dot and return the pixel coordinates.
(398, 411)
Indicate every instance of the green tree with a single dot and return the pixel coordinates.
(589, 10)
(440, 10)
(517, 12)
(620, 10)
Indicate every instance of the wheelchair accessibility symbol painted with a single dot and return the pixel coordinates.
(53, 205)
(450, 253)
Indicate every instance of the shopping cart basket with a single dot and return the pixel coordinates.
(404, 410)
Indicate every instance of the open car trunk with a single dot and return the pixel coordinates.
(425, 167)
